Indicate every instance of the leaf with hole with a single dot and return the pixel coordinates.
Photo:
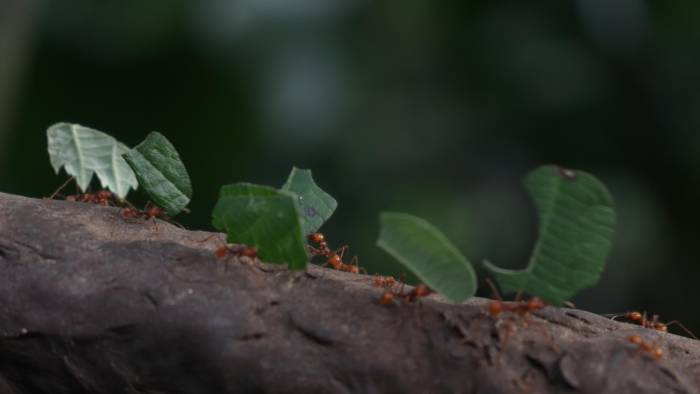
(160, 172)
(264, 217)
(83, 151)
(316, 205)
(577, 221)
(425, 251)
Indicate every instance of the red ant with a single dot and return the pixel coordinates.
(386, 282)
(333, 257)
(649, 348)
(149, 213)
(389, 295)
(102, 197)
(236, 250)
(521, 308)
(653, 323)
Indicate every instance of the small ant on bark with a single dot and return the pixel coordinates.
(521, 308)
(421, 290)
(102, 197)
(150, 212)
(646, 347)
(236, 250)
(654, 323)
(333, 258)
(385, 282)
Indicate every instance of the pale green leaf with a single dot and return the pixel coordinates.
(83, 152)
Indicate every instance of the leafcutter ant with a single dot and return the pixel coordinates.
(389, 295)
(646, 347)
(236, 250)
(385, 282)
(654, 323)
(333, 258)
(521, 308)
(151, 211)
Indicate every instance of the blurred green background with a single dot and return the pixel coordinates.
(434, 108)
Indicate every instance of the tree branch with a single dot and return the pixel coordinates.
(94, 303)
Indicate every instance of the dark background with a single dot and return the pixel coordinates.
(434, 108)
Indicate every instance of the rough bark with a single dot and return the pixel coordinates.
(93, 303)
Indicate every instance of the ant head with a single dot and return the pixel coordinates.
(634, 316)
(495, 307)
(251, 252)
(535, 303)
(316, 237)
(422, 290)
(661, 327)
(334, 259)
(221, 252)
(636, 339)
(657, 353)
(104, 194)
(387, 298)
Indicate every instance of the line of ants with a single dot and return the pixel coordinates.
(394, 289)
(107, 198)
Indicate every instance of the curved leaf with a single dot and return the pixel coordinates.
(426, 252)
(316, 205)
(263, 217)
(161, 173)
(577, 222)
(83, 151)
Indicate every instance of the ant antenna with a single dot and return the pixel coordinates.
(63, 186)
(679, 324)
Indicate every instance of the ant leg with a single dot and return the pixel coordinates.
(175, 223)
(314, 251)
(354, 261)
(679, 324)
(342, 250)
(494, 290)
(51, 197)
(518, 295)
(155, 223)
(613, 317)
(207, 238)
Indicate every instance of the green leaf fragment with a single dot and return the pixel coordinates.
(264, 217)
(427, 252)
(577, 221)
(83, 151)
(316, 205)
(161, 173)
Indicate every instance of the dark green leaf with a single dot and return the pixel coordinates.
(263, 217)
(316, 205)
(426, 252)
(161, 173)
(577, 222)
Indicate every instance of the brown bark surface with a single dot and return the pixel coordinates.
(93, 303)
